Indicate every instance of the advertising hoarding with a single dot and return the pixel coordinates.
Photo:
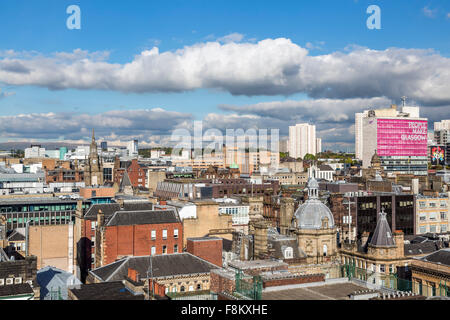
(402, 137)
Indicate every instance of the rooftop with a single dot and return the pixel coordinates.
(115, 290)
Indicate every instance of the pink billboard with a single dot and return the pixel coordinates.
(402, 137)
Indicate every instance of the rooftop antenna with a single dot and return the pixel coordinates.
(403, 100)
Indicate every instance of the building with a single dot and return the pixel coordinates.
(132, 148)
(137, 233)
(207, 248)
(442, 125)
(93, 172)
(54, 245)
(35, 151)
(302, 140)
(318, 145)
(18, 278)
(39, 211)
(432, 214)
(171, 273)
(54, 283)
(207, 220)
(400, 212)
(399, 138)
(136, 172)
(431, 274)
(322, 171)
(86, 221)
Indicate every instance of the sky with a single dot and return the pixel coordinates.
(142, 69)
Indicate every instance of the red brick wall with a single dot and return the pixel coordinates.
(219, 283)
(210, 250)
(136, 240)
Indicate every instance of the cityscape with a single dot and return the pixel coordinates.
(219, 166)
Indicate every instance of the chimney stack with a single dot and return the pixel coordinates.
(100, 218)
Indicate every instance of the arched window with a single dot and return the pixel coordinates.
(182, 289)
(325, 250)
(199, 287)
(288, 253)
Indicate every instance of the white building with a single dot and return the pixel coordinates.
(302, 140)
(318, 145)
(35, 151)
(323, 171)
(442, 125)
(132, 148)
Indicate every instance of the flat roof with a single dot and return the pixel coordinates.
(338, 291)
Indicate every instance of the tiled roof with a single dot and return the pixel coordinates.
(108, 209)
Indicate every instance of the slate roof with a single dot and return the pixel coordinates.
(419, 248)
(125, 182)
(382, 236)
(105, 291)
(175, 264)
(15, 289)
(51, 278)
(442, 257)
(127, 218)
(325, 167)
(108, 209)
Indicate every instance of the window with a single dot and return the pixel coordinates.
(175, 233)
(93, 242)
(191, 288)
(2, 282)
(443, 228)
(93, 224)
(443, 216)
(18, 280)
(164, 249)
(325, 250)
(391, 268)
(288, 253)
(382, 268)
(165, 234)
(9, 281)
(175, 248)
(433, 228)
(174, 289)
(153, 250)
(199, 287)
(182, 289)
(153, 234)
(423, 229)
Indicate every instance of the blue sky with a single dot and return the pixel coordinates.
(124, 29)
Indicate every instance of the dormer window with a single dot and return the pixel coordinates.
(288, 253)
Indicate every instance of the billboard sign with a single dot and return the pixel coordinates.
(437, 155)
(402, 137)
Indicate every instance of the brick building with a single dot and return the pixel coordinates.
(86, 224)
(136, 172)
(207, 248)
(137, 233)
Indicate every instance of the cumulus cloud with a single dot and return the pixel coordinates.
(267, 67)
(114, 125)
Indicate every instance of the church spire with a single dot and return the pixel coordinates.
(93, 135)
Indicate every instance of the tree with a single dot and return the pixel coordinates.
(309, 157)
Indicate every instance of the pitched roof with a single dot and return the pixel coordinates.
(418, 248)
(382, 236)
(105, 291)
(125, 182)
(441, 257)
(165, 265)
(108, 209)
(127, 218)
(16, 236)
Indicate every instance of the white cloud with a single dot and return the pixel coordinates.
(115, 125)
(430, 13)
(232, 37)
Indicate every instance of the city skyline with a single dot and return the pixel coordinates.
(138, 70)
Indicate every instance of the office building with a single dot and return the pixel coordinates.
(399, 137)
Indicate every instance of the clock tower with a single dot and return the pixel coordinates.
(93, 174)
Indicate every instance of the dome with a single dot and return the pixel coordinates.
(313, 213)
